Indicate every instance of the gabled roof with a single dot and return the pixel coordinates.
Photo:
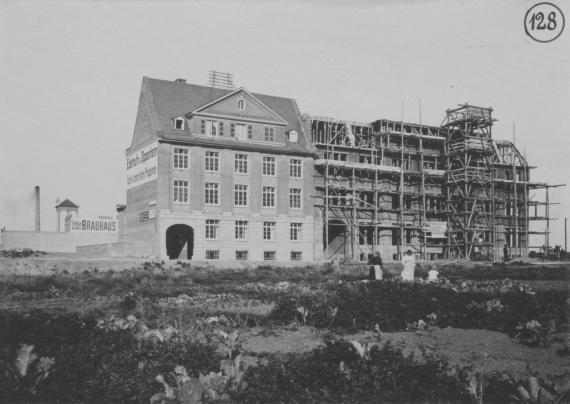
(162, 100)
(272, 115)
(66, 203)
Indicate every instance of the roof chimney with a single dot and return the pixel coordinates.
(180, 81)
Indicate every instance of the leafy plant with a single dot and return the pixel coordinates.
(27, 371)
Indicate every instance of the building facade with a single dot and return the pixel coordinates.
(218, 174)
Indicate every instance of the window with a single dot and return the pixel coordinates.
(395, 163)
(179, 123)
(269, 166)
(180, 158)
(408, 234)
(232, 129)
(210, 128)
(296, 255)
(180, 191)
(241, 104)
(295, 198)
(211, 193)
(240, 230)
(221, 129)
(241, 255)
(268, 197)
(240, 164)
(295, 231)
(240, 131)
(269, 255)
(249, 132)
(293, 136)
(295, 170)
(212, 254)
(269, 135)
(268, 230)
(240, 195)
(211, 161)
(212, 227)
(144, 216)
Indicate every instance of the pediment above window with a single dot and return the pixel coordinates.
(240, 104)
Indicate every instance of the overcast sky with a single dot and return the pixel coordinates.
(70, 76)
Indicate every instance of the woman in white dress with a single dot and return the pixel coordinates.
(409, 263)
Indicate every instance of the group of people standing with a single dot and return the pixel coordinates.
(408, 262)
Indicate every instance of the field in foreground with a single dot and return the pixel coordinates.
(183, 335)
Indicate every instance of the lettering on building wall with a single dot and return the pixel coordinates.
(142, 166)
(99, 225)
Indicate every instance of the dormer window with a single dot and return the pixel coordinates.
(293, 136)
(241, 104)
(179, 123)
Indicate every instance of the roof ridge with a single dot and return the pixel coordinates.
(217, 88)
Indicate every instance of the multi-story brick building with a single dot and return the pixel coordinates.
(218, 174)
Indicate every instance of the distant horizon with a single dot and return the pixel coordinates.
(70, 80)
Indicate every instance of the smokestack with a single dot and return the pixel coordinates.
(37, 226)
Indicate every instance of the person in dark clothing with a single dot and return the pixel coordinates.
(375, 262)
(506, 253)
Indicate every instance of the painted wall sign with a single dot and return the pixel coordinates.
(99, 225)
(142, 166)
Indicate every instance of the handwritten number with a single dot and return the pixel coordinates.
(551, 21)
(538, 18)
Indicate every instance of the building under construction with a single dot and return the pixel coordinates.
(444, 192)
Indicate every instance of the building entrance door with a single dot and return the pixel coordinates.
(180, 242)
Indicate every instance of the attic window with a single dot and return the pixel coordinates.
(179, 123)
(293, 136)
(241, 104)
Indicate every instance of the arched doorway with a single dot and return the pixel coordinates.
(180, 239)
(337, 240)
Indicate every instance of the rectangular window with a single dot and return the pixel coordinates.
(144, 216)
(180, 158)
(296, 255)
(240, 230)
(268, 230)
(210, 128)
(240, 195)
(232, 129)
(268, 197)
(295, 198)
(212, 227)
(212, 161)
(249, 131)
(269, 166)
(241, 131)
(241, 255)
(296, 231)
(212, 254)
(220, 129)
(269, 255)
(211, 193)
(269, 135)
(240, 163)
(295, 170)
(180, 191)
(408, 234)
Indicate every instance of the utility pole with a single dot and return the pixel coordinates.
(566, 236)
